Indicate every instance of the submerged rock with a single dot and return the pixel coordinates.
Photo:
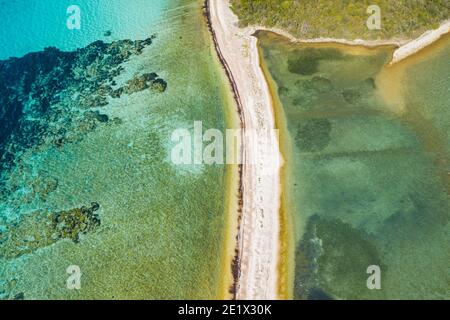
(41, 228)
(95, 206)
(159, 85)
(117, 93)
(306, 61)
(102, 117)
(72, 223)
(145, 81)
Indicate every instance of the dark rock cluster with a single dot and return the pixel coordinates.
(142, 82)
(72, 223)
(42, 228)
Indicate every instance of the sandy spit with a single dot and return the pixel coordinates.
(406, 47)
(258, 240)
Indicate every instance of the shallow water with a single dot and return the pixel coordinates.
(162, 226)
(367, 167)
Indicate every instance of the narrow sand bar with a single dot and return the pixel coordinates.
(258, 241)
(418, 44)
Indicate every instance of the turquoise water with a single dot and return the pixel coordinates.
(43, 23)
(98, 190)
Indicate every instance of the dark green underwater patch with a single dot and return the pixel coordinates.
(313, 135)
(306, 61)
(332, 259)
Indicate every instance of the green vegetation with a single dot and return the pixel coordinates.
(344, 19)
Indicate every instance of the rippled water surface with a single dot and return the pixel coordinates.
(86, 174)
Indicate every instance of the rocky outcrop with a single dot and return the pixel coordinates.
(144, 81)
(42, 228)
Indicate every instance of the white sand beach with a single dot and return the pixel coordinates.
(418, 44)
(259, 229)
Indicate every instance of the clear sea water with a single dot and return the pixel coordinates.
(163, 226)
(28, 26)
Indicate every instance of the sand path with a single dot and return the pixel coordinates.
(259, 228)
